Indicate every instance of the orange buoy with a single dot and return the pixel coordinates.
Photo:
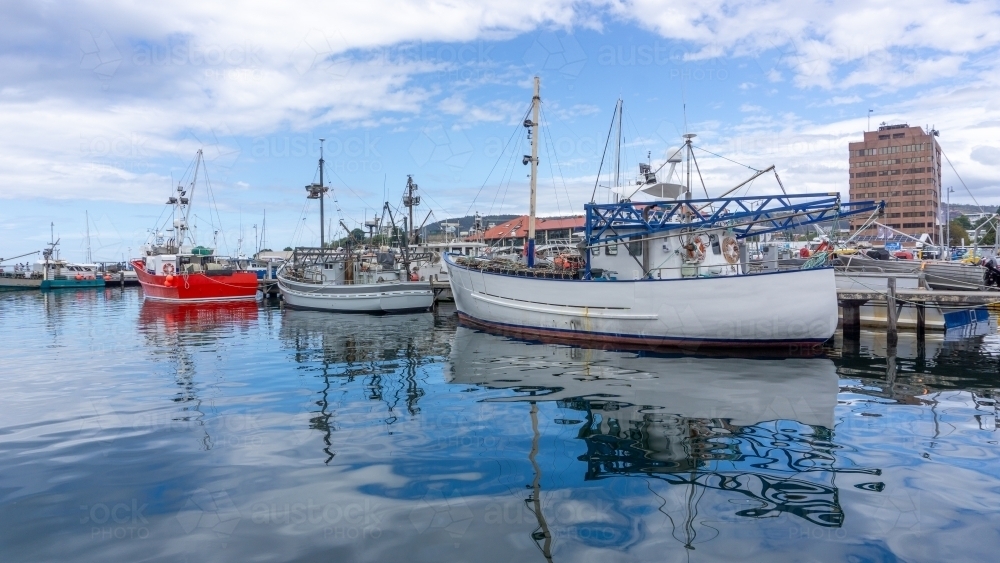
(169, 281)
(79, 277)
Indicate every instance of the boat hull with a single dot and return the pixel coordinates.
(14, 283)
(788, 308)
(71, 283)
(379, 298)
(196, 287)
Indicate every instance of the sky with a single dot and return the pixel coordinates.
(105, 104)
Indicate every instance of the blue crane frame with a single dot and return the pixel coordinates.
(744, 216)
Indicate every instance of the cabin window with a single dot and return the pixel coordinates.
(611, 249)
(714, 240)
(635, 246)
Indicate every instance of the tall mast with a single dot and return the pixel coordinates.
(186, 203)
(690, 151)
(536, 101)
(322, 244)
(316, 191)
(90, 256)
(410, 200)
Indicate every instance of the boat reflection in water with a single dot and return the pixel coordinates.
(175, 332)
(757, 432)
(160, 318)
(386, 353)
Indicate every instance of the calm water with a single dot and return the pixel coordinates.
(136, 432)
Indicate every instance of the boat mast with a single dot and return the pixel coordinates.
(86, 216)
(533, 134)
(316, 191)
(186, 204)
(322, 243)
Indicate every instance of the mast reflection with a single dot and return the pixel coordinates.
(756, 430)
(174, 330)
(385, 353)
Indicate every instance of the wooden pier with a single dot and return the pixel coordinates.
(851, 301)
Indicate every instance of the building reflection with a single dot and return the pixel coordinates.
(757, 431)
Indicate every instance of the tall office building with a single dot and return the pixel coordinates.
(902, 166)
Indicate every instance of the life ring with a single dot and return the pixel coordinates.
(695, 249)
(730, 249)
(168, 269)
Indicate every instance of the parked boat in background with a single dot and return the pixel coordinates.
(431, 267)
(352, 280)
(176, 268)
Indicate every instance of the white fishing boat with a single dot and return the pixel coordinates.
(349, 280)
(666, 272)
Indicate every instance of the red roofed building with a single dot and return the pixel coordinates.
(547, 230)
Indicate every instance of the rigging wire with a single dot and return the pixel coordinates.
(569, 201)
(962, 181)
(552, 173)
(600, 167)
(724, 158)
(499, 157)
(211, 195)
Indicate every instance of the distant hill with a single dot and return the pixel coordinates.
(969, 208)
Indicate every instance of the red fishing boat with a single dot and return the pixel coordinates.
(176, 268)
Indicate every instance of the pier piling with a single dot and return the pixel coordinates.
(852, 318)
(890, 313)
(921, 321)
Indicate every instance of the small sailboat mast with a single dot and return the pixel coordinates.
(532, 126)
(90, 256)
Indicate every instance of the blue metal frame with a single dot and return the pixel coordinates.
(743, 215)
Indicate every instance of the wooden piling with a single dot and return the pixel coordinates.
(921, 321)
(852, 319)
(891, 335)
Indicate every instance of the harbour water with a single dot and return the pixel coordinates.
(132, 431)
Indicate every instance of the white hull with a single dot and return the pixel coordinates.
(378, 298)
(789, 307)
(800, 389)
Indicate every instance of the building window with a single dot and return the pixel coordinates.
(883, 137)
(898, 135)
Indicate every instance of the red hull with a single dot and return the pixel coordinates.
(196, 287)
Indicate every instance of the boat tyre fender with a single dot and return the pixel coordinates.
(730, 249)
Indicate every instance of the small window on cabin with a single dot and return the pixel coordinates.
(714, 240)
(596, 251)
(611, 249)
(635, 246)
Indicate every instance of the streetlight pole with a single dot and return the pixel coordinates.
(948, 219)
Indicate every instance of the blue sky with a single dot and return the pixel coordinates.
(104, 105)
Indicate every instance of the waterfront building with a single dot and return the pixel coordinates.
(547, 230)
(902, 166)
